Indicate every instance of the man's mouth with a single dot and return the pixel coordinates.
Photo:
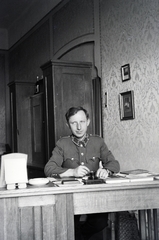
(79, 132)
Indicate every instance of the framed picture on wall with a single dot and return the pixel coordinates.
(125, 72)
(126, 105)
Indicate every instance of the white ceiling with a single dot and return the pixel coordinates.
(10, 10)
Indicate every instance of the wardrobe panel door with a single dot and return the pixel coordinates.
(72, 87)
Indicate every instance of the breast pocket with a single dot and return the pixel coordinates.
(93, 162)
(95, 159)
(71, 160)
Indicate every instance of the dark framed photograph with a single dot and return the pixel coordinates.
(125, 72)
(126, 102)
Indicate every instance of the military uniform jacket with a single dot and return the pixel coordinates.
(70, 153)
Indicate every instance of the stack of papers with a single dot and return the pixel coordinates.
(137, 175)
(136, 171)
(133, 178)
(117, 179)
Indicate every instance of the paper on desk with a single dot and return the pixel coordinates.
(136, 172)
(59, 180)
(125, 178)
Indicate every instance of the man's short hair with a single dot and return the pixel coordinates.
(73, 110)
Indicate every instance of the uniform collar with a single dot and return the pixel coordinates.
(80, 142)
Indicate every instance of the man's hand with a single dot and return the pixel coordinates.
(102, 173)
(81, 171)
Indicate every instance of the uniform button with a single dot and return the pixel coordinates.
(82, 154)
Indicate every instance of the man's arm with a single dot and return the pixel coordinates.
(108, 160)
(54, 165)
(80, 171)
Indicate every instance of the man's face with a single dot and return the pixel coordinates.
(78, 124)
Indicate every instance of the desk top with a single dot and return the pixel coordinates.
(51, 189)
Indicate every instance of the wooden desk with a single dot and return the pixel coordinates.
(47, 213)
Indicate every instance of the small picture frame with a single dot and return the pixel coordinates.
(125, 72)
(126, 104)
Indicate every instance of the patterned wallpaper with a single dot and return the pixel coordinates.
(130, 34)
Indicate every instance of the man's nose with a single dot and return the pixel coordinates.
(78, 126)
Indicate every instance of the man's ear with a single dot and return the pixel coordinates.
(88, 122)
